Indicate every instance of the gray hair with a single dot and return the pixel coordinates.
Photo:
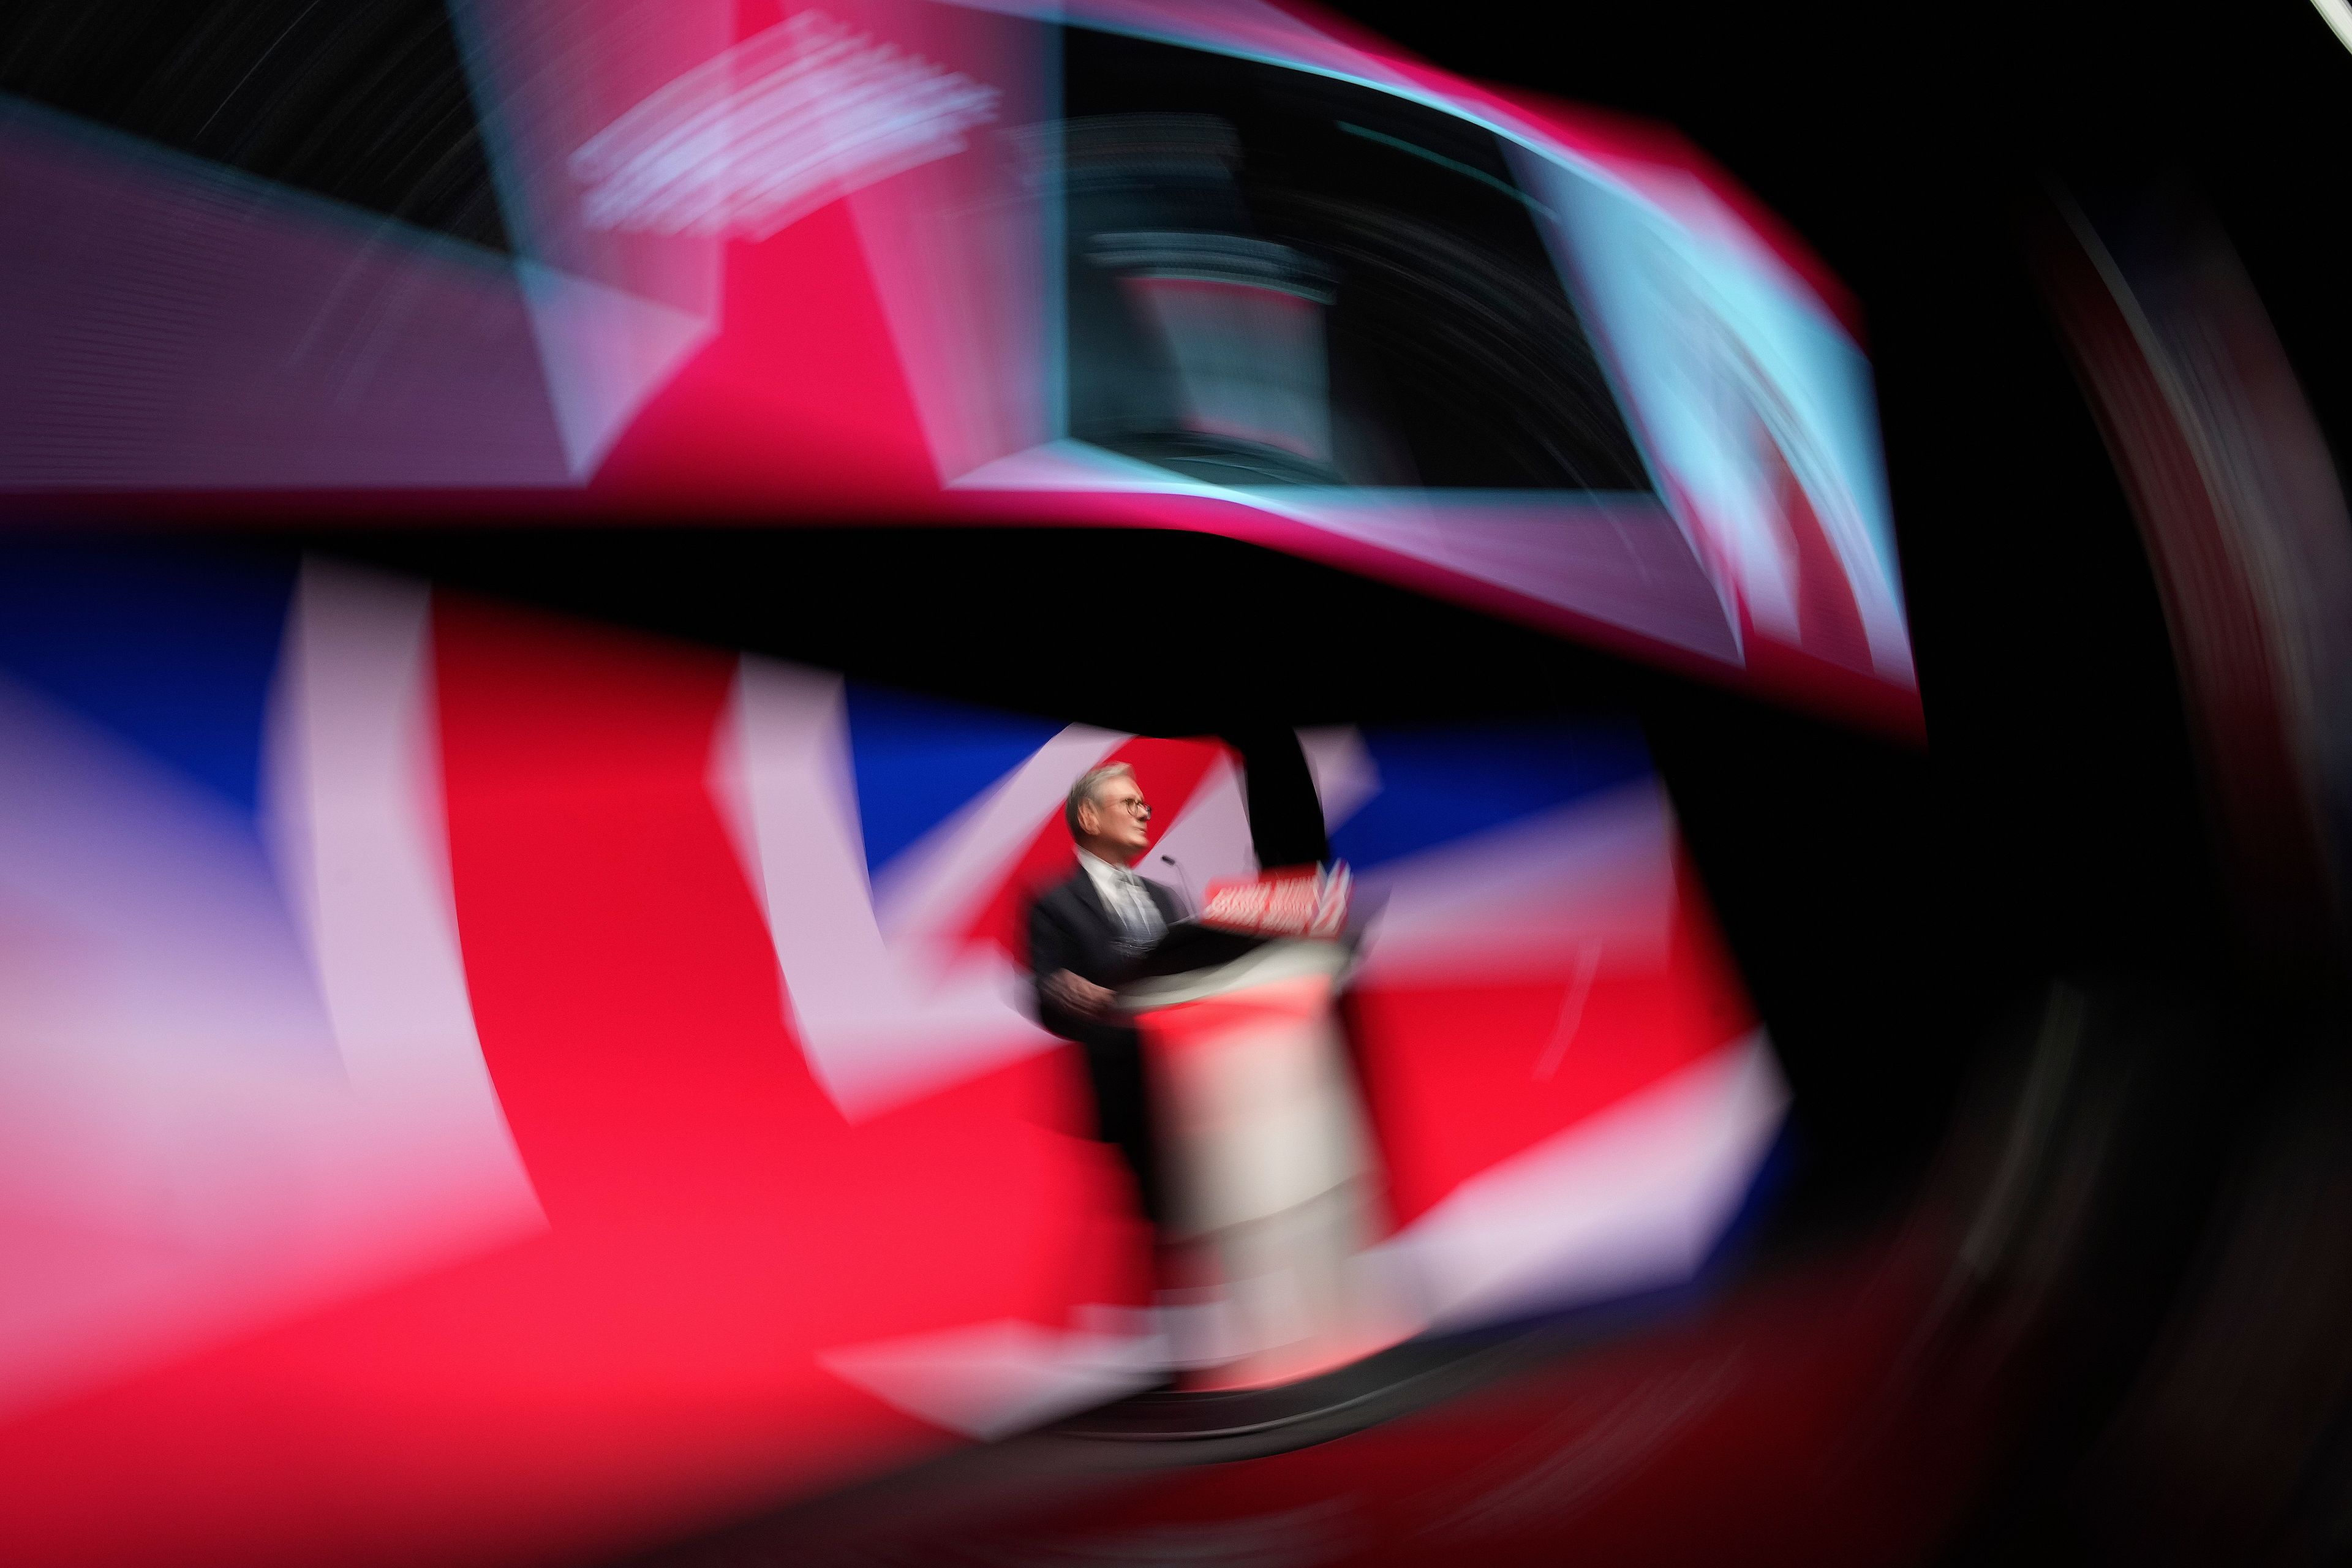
(1089, 784)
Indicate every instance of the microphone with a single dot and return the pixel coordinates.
(1184, 881)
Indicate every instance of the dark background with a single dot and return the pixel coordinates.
(1886, 904)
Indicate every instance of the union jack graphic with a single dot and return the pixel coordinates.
(511, 1003)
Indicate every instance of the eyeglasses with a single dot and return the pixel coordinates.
(1138, 806)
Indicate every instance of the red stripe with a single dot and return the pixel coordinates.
(1453, 1073)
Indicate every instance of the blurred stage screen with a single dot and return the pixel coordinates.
(1126, 264)
(485, 1084)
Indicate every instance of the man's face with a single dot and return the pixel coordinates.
(1121, 819)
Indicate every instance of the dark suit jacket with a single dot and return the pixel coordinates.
(1070, 928)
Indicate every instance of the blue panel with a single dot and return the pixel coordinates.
(171, 648)
(918, 759)
(1443, 783)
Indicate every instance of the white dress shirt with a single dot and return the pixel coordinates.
(1125, 896)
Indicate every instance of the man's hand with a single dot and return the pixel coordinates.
(1076, 995)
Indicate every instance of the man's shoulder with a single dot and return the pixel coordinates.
(1060, 891)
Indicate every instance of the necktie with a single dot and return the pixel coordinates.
(1137, 912)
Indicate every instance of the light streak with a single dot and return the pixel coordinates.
(2338, 15)
(771, 129)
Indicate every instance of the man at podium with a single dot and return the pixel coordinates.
(1085, 935)
(1257, 1171)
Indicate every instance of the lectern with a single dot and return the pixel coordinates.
(1271, 1168)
